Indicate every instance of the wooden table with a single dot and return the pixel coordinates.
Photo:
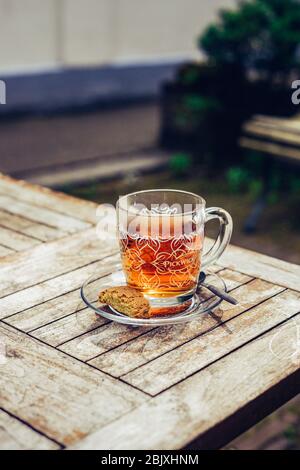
(70, 378)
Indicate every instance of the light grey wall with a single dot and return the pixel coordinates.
(46, 34)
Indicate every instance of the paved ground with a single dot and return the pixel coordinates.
(40, 145)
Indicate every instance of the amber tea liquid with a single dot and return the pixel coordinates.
(162, 267)
(161, 234)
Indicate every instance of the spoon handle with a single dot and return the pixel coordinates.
(223, 295)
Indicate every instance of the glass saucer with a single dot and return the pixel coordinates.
(202, 301)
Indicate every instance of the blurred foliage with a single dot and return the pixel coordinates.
(255, 187)
(180, 164)
(291, 433)
(193, 109)
(238, 179)
(247, 178)
(200, 104)
(260, 35)
(252, 52)
(295, 185)
(190, 76)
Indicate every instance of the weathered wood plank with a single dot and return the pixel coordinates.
(290, 124)
(5, 251)
(150, 346)
(44, 233)
(271, 148)
(233, 279)
(44, 197)
(50, 260)
(198, 353)
(265, 267)
(47, 312)
(70, 327)
(14, 222)
(16, 241)
(27, 227)
(272, 133)
(214, 405)
(59, 332)
(42, 215)
(43, 303)
(57, 395)
(98, 341)
(102, 339)
(67, 400)
(14, 435)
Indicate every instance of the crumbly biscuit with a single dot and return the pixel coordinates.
(126, 300)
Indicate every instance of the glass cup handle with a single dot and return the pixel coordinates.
(224, 235)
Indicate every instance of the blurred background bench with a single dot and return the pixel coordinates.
(277, 139)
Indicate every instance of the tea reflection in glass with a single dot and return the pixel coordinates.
(162, 267)
(161, 235)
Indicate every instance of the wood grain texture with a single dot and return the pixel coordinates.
(272, 133)
(28, 227)
(42, 215)
(70, 327)
(50, 260)
(46, 313)
(222, 400)
(233, 279)
(57, 395)
(178, 364)
(48, 199)
(102, 339)
(15, 435)
(53, 299)
(158, 342)
(44, 232)
(290, 124)
(61, 326)
(16, 241)
(210, 379)
(4, 251)
(111, 336)
(262, 266)
(274, 149)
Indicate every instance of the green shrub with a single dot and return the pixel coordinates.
(238, 179)
(252, 52)
(260, 35)
(295, 185)
(180, 164)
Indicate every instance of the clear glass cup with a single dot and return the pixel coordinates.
(161, 235)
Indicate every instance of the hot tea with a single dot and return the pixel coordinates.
(162, 267)
(161, 235)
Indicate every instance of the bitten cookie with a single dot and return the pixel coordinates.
(126, 300)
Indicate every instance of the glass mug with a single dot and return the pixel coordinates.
(161, 235)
